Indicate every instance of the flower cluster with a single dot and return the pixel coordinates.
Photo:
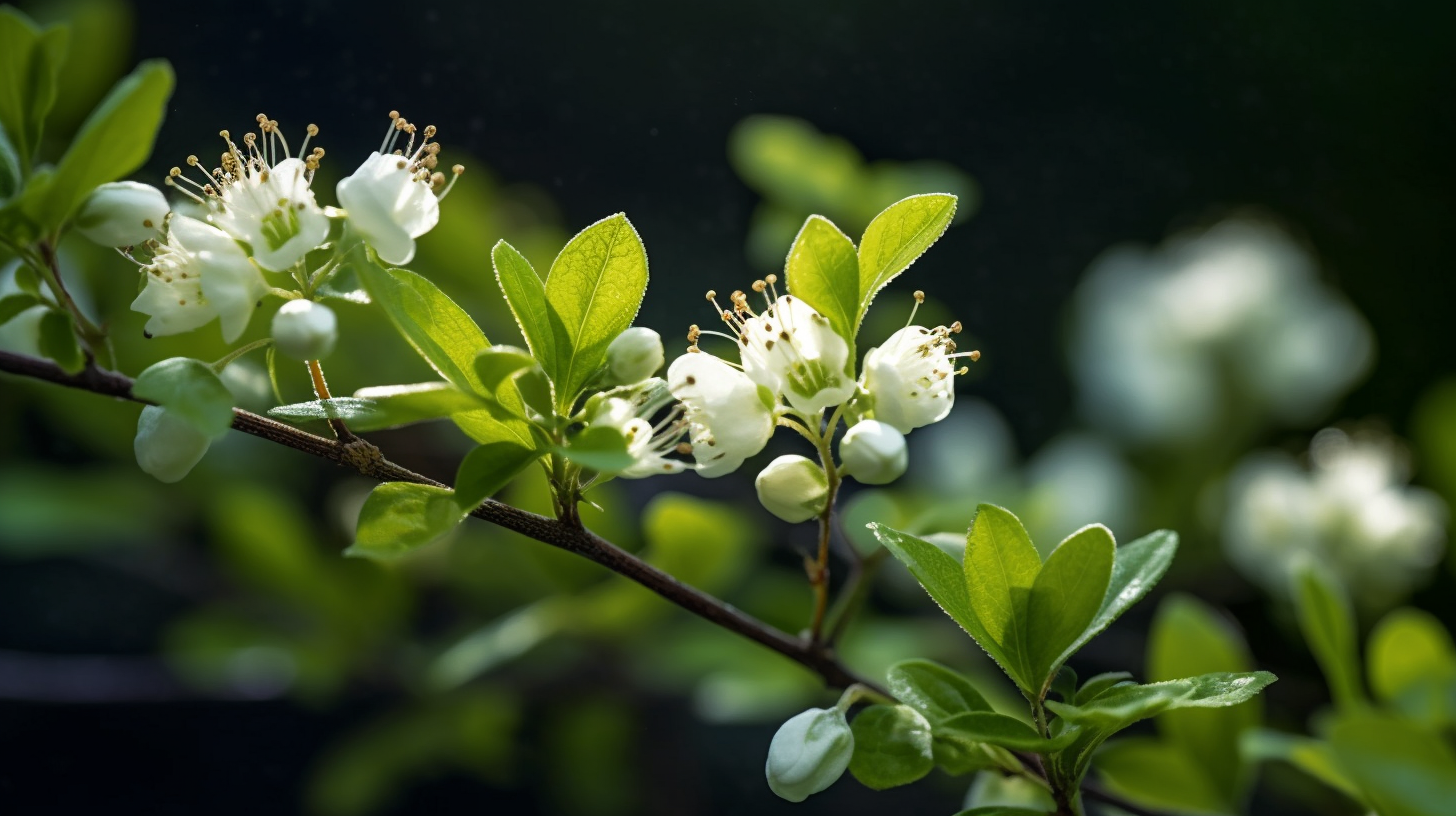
(257, 215)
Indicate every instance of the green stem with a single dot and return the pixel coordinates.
(227, 359)
(856, 590)
(819, 568)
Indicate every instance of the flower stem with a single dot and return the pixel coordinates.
(321, 390)
(818, 569)
(228, 358)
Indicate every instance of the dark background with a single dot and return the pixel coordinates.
(1086, 124)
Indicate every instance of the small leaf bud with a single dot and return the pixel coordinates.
(122, 213)
(809, 753)
(792, 488)
(873, 453)
(167, 446)
(305, 330)
(634, 356)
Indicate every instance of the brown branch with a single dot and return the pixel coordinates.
(366, 459)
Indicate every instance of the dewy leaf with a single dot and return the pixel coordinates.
(115, 140)
(823, 270)
(58, 341)
(396, 405)
(999, 729)
(945, 580)
(937, 692)
(399, 517)
(1188, 638)
(526, 295)
(594, 289)
(1403, 769)
(1152, 774)
(891, 746)
(1124, 705)
(190, 390)
(1136, 568)
(1001, 566)
(897, 237)
(1328, 624)
(1065, 597)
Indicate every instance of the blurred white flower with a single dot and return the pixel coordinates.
(196, 274)
(122, 213)
(1170, 344)
(648, 445)
(1352, 510)
(728, 417)
(394, 196)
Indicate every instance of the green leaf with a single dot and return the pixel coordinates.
(487, 469)
(896, 238)
(1065, 597)
(891, 746)
(1136, 568)
(997, 810)
(29, 61)
(1153, 774)
(115, 140)
(1124, 705)
(999, 729)
(1097, 684)
(387, 406)
(1188, 639)
(189, 389)
(526, 295)
(945, 581)
(823, 270)
(497, 364)
(1001, 566)
(937, 692)
(13, 304)
(1412, 665)
(12, 171)
(1064, 683)
(593, 290)
(1314, 757)
(599, 448)
(399, 517)
(1403, 769)
(1328, 624)
(58, 341)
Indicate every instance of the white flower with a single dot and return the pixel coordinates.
(1352, 511)
(911, 377)
(873, 452)
(728, 417)
(793, 488)
(260, 195)
(197, 274)
(123, 213)
(648, 445)
(305, 330)
(391, 199)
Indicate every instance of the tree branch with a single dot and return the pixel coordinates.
(365, 458)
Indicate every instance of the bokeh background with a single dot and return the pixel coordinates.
(1205, 250)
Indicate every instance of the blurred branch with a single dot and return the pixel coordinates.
(365, 458)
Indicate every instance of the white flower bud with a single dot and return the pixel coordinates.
(167, 446)
(634, 356)
(305, 330)
(809, 753)
(123, 213)
(873, 453)
(792, 488)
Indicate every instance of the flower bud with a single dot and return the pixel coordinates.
(122, 213)
(305, 330)
(167, 446)
(873, 453)
(634, 356)
(793, 488)
(809, 753)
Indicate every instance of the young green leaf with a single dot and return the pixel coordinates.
(1314, 757)
(1001, 566)
(526, 295)
(497, 364)
(115, 140)
(823, 269)
(15, 303)
(945, 581)
(896, 238)
(1328, 624)
(399, 517)
(594, 289)
(999, 729)
(891, 746)
(1402, 768)
(29, 61)
(487, 469)
(1097, 684)
(1188, 639)
(600, 448)
(190, 390)
(386, 406)
(937, 692)
(1136, 568)
(1122, 706)
(1065, 597)
(11, 170)
(58, 341)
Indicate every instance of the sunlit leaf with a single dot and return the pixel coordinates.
(1065, 597)
(1001, 566)
(896, 238)
(937, 692)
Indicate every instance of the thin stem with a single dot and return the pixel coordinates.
(95, 337)
(852, 596)
(321, 390)
(228, 358)
(818, 569)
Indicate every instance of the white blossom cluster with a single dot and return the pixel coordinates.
(1170, 344)
(1351, 510)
